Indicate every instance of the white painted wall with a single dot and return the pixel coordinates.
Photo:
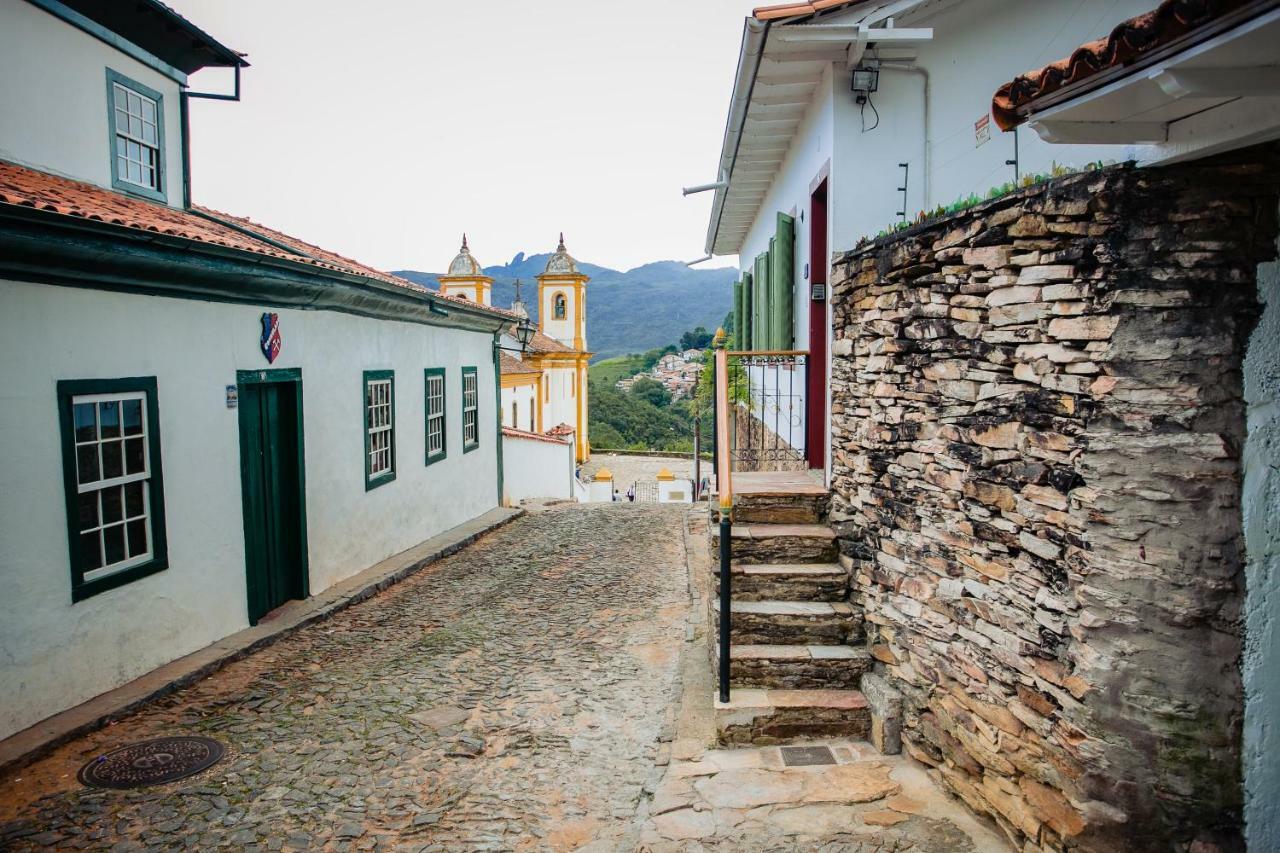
(55, 78)
(675, 491)
(1261, 502)
(534, 468)
(57, 654)
(560, 397)
(525, 416)
(810, 149)
(600, 491)
(978, 45)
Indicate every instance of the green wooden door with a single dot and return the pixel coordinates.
(271, 481)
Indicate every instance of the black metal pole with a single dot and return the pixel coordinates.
(726, 556)
(697, 458)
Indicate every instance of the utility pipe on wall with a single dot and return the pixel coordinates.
(928, 166)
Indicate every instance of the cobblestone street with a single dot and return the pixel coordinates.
(509, 697)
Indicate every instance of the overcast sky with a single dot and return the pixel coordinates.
(383, 130)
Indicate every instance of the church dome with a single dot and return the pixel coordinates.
(562, 262)
(464, 264)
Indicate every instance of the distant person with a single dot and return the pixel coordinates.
(631, 494)
(617, 495)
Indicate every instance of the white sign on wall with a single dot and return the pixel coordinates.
(982, 131)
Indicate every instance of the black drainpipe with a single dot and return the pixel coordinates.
(184, 112)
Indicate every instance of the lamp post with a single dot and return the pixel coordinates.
(524, 334)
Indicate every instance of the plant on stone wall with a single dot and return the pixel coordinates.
(1056, 170)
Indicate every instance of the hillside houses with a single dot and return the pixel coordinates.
(676, 372)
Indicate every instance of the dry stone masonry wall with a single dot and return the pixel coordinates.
(1037, 425)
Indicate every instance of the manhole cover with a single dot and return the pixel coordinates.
(152, 762)
(806, 756)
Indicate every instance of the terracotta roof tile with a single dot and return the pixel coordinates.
(792, 10)
(23, 187)
(533, 436)
(561, 429)
(509, 365)
(545, 343)
(1127, 42)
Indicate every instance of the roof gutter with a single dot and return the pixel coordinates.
(754, 35)
(58, 249)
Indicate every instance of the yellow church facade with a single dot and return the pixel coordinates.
(544, 388)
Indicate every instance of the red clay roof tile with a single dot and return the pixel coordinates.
(533, 436)
(24, 187)
(509, 365)
(545, 343)
(1128, 41)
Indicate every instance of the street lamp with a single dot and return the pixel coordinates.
(524, 334)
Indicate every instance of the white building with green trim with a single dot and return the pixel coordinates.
(206, 419)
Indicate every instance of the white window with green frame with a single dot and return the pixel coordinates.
(470, 410)
(379, 428)
(436, 434)
(135, 116)
(113, 482)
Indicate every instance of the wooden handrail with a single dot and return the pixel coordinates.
(724, 469)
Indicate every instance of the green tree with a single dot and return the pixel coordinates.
(698, 338)
(651, 392)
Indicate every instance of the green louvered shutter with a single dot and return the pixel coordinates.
(782, 249)
(736, 329)
(757, 301)
(760, 315)
(744, 320)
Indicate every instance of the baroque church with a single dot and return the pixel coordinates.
(544, 387)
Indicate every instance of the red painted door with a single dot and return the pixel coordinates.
(816, 392)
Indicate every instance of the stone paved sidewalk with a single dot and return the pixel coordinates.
(510, 697)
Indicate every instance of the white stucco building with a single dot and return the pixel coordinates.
(209, 418)
(809, 165)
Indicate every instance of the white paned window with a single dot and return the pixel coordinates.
(470, 409)
(379, 423)
(113, 473)
(137, 139)
(435, 415)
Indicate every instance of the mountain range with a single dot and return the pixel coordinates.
(632, 311)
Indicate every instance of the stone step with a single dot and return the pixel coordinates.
(798, 667)
(762, 716)
(788, 582)
(778, 543)
(776, 508)
(793, 623)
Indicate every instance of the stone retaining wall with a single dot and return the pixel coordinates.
(1037, 425)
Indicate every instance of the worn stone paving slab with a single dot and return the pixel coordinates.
(511, 697)
(748, 800)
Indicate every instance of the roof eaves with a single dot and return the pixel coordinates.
(231, 57)
(1131, 45)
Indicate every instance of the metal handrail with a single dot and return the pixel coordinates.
(738, 352)
(724, 486)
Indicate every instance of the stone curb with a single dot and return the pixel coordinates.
(37, 741)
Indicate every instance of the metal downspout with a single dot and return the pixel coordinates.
(184, 112)
(927, 153)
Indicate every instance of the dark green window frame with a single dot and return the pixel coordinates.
(67, 391)
(436, 373)
(473, 409)
(382, 411)
(159, 193)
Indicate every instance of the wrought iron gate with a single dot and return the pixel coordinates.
(645, 491)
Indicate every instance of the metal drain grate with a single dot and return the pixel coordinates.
(152, 762)
(807, 756)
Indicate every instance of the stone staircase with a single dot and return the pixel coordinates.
(799, 665)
